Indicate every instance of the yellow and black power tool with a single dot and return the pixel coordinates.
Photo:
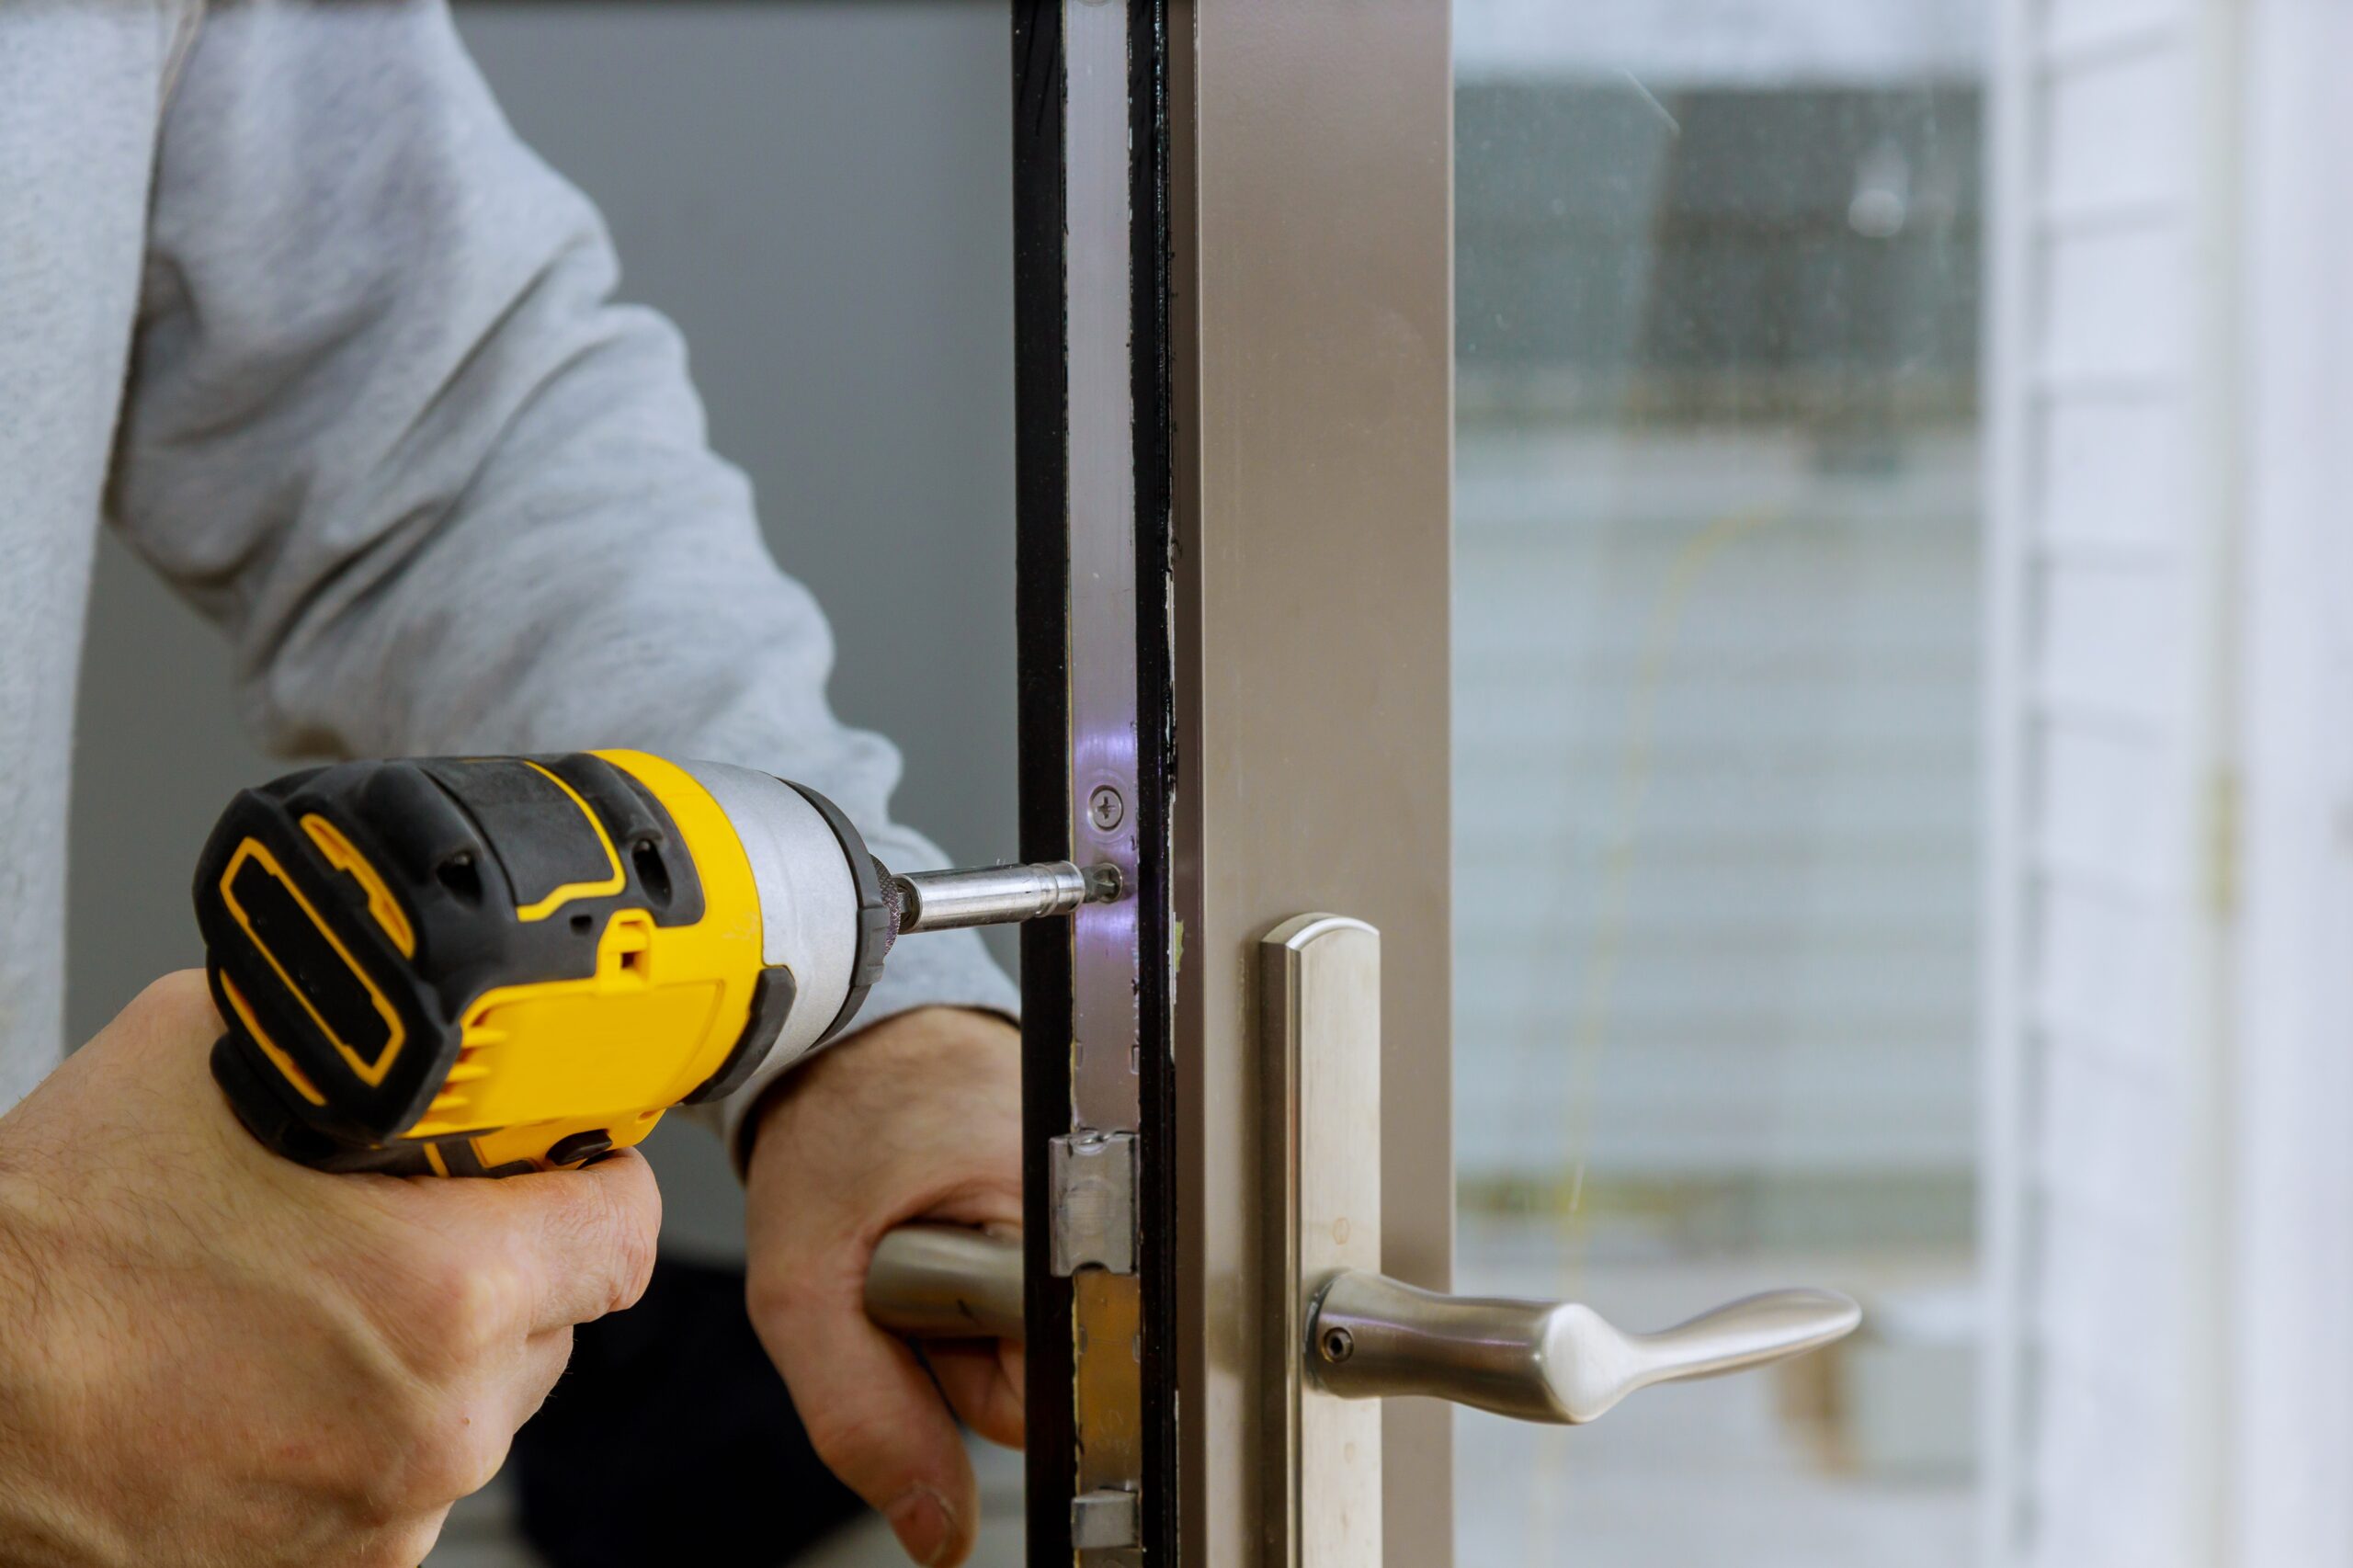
(474, 966)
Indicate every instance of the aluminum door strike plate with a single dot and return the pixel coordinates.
(1319, 1036)
(1104, 1519)
(1094, 1179)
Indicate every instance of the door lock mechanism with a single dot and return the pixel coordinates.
(1336, 1333)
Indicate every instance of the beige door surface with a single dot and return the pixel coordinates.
(1637, 725)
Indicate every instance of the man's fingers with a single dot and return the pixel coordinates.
(874, 1418)
(983, 1385)
(597, 1235)
(584, 1239)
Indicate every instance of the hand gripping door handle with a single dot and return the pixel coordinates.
(945, 1282)
(1370, 1336)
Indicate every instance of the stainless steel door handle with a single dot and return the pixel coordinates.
(945, 1282)
(1368, 1337)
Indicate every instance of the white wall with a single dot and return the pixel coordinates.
(2168, 1202)
(2107, 765)
(2291, 1187)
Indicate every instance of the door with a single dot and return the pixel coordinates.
(1497, 581)
(1474, 316)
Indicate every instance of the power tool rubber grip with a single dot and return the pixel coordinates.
(353, 915)
(258, 1097)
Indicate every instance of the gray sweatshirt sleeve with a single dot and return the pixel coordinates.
(386, 426)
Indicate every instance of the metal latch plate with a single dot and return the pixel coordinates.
(1094, 1177)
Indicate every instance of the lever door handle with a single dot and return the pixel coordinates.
(1368, 1337)
(945, 1282)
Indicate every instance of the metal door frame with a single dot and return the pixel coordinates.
(1092, 595)
(1289, 462)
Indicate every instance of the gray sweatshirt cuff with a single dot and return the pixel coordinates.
(946, 969)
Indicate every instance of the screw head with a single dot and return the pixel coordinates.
(1105, 809)
(1336, 1343)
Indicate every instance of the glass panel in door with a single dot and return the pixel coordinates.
(1717, 584)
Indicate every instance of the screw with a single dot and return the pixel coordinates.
(1338, 1345)
(1105, 808)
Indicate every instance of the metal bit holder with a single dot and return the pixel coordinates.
(1000, 895)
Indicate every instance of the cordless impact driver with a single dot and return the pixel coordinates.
(475, 966)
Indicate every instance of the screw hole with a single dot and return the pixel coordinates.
(1338, 1345)
(460, 876)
